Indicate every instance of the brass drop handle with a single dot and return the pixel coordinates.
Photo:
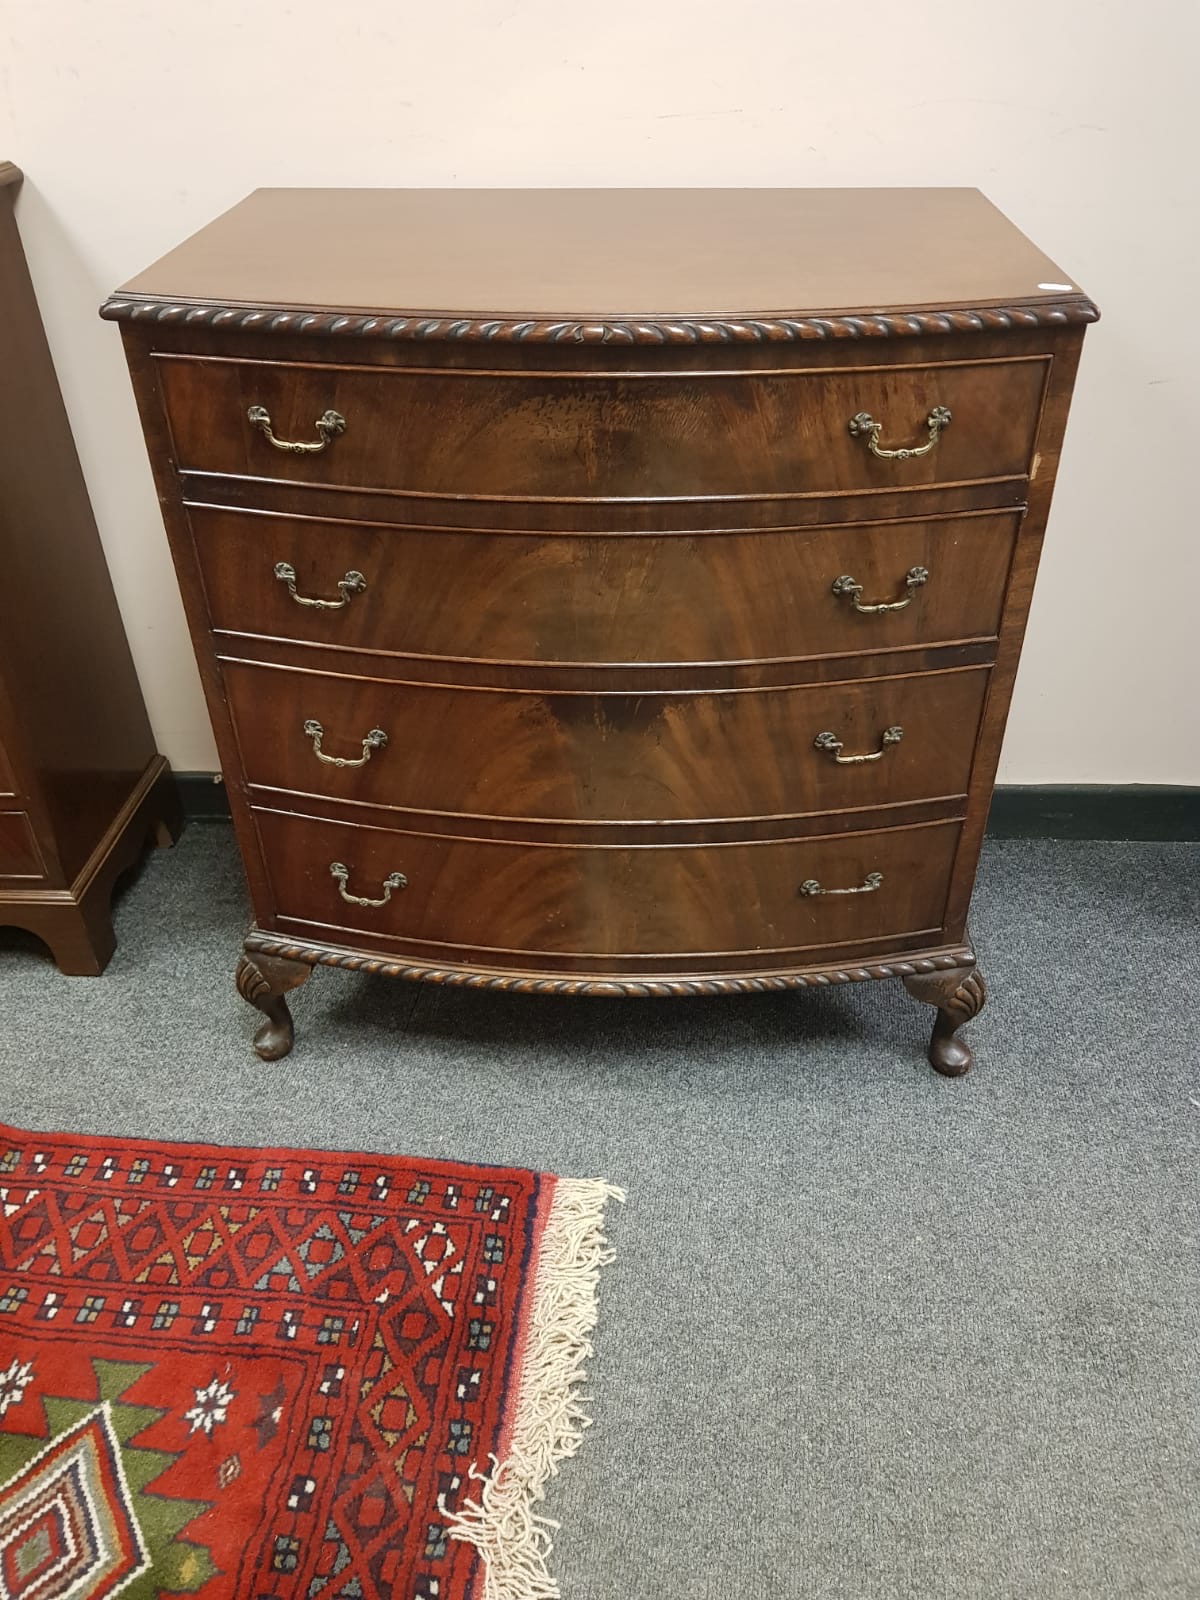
(913, 580)
(864, 426)
(394, 880)
(872, 881)
(375, 740)
(831, 742)
(353, 583)
(329, 425)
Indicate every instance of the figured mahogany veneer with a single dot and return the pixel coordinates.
(563, 597)
(610, 907)
(595, 437)
(579, 757)
(634, 603)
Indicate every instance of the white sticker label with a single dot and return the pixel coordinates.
(1058, 288)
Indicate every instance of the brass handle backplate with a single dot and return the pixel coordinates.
(831, 743)
(872, 881)
(394, 880)
(846, 586)
(864, 426)
(329, 424)
(375, 740)
(353, 583)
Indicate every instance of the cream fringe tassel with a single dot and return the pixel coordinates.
(514, 1539)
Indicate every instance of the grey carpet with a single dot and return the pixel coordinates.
(870, 1335)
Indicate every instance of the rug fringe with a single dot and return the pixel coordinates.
(514, 1539)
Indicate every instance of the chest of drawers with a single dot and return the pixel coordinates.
(609, 593)
(82, 787)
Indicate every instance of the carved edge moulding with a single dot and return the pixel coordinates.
(949, 980)
(621, 988)
(724, 329)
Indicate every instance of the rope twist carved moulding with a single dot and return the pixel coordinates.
(616, 988)
(628, 331)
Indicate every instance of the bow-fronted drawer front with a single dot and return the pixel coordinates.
(643, 435)
(622, 758)
(741, 901)
(607, 599)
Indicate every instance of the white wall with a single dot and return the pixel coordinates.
(136, 122)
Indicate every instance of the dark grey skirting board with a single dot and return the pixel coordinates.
(1095, 811)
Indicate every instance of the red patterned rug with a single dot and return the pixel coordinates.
(284, 1375)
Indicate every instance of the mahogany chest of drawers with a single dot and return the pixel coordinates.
(608, 592)
(82, 787)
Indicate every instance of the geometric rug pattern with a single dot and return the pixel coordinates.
(250, 1374)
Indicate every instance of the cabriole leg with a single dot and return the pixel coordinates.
(263, 981)
(959, 995)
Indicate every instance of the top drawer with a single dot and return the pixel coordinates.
(466, 435)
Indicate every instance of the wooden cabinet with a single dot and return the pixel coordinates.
(574, 619)
(81, 785)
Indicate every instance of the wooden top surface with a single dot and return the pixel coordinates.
(606, 256)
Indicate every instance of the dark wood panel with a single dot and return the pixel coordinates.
(84, 737)
(692, 968)
(601, 976)
(567, 597)
(1017, 599)
(540, 831)
(234, 340)
(607, 757)
(554, 900)
(391, 507)
(566, 436)
(19, 854)
(8, 783)
(75, 920)
(557, 677)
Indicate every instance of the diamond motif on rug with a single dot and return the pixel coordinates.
(282, 1375)
(67, 1526)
